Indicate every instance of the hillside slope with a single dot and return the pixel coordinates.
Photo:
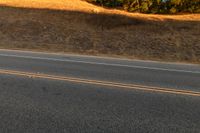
(79, 27)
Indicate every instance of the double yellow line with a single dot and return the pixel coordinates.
(101, 83)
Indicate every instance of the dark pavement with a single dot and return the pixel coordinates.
(34, 105)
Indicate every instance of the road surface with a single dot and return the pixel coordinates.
(49, 93)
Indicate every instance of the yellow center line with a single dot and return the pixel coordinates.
(101, 83)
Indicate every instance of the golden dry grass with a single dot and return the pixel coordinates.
(79, 27)
(79, 5)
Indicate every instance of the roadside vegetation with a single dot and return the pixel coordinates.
(76, 26)
(152, 6)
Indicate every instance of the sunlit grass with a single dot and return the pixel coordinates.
(79, 5)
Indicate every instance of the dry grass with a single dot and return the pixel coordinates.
(78, 27)
(72, 5)
(80, 5)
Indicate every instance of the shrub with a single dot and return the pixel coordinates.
(152, 6)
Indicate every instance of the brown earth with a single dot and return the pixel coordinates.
(86, 29)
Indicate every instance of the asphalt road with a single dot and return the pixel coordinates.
(41, 105)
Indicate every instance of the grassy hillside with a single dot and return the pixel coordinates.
(79, 27)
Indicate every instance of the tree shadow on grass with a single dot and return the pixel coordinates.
(91, 33)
